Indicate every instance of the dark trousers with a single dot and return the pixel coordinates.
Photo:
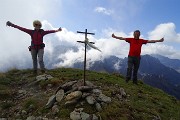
(133, 65)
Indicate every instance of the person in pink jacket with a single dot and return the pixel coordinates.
(37, 45)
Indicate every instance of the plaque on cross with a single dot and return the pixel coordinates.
(85, 42)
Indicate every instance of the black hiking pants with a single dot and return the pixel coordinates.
(133, 65)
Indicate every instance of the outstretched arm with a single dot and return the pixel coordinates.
(154, 41)
(120, 38)
(8, 23)
(52, 31)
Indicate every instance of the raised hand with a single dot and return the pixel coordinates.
(60, 29)
(113, 35)
(161, 40)
(8, 23)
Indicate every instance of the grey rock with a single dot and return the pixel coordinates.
(74, 101)
(85, 88)
(90, 99)
(122, 91)
(84, 116)
(55, 109)
(23, 112)
(75, 115)
(3, 119)
(85, 94)
(98, 107)
(74, 95)
(59, 95)
(97, 91)
(43, 77)
(104, 98)
(72, 90)
(22, 91)
(51, 101)
(68, 85)
(94, 117)
(31, 118)
(90, 84)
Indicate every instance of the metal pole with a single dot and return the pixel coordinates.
(85, 59)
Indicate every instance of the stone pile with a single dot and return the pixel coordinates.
(74, 92)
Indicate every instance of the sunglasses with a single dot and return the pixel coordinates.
(38, 25)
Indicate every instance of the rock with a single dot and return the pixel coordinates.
(94, 117)
(85, 94)
(78, 109)
(97, 91)
(23, 112)
(31, 118)
(59, 95)
(74, 101)
(122, 92)
(3, 119)
(84, 88)
(43, 77)
(84, 116)
(104, 98)
(68, 85)
(22, 91)
(75, 115)
(119, 96)
(51, 101)
(98, 107)
(55, 109)
(90, 99)
(72, 90)
(90, 84)
(74, 95)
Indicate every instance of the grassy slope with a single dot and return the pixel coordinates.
(143, 102)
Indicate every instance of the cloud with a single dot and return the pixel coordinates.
(166, 30)
(103, 10)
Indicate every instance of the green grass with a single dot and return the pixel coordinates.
(142, 103)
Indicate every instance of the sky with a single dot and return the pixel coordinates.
(154, 18)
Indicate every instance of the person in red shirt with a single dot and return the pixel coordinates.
(134, 53)
(37, 45)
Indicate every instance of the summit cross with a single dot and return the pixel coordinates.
(86, 33)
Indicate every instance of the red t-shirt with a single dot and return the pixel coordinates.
(135, 46)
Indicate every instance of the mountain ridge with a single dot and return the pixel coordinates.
(21, 99)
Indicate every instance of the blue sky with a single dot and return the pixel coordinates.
(154, 18)
(124, 15)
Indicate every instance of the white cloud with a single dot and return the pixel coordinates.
(103, 10)
(166, 30)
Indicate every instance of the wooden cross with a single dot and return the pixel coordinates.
(85, 51)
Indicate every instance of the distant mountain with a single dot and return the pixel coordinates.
(52, 59)
(172, 63)
(152, 66)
